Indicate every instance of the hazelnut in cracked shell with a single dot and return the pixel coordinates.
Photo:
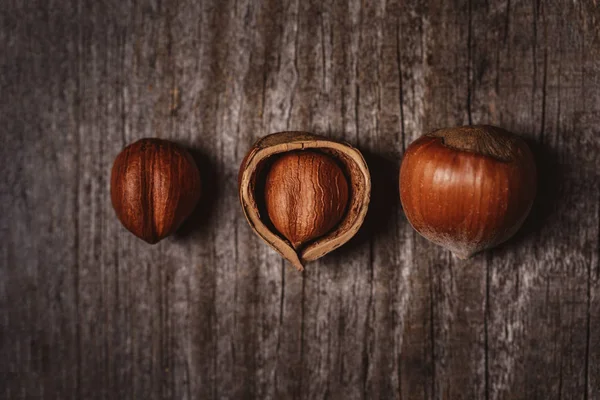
(468, 188)
(154, 187)
(305, 195)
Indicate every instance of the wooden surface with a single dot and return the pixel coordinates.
(88, 311)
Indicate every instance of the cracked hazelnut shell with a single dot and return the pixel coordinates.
(298, 210)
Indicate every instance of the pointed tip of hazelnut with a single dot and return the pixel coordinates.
(462, 256)
(151, 240)
(298, 265)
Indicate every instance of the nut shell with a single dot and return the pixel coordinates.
(252, 176)
(154, 187)
(467, 188)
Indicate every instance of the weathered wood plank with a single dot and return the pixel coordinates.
(39, 204)
(89, 311)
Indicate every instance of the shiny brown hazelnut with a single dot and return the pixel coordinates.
(467, 188)
(304, 194)
(154, 187)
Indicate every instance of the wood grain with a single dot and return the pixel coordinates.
(89, 311)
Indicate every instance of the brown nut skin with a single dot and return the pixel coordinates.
(154, 187)
(306, 194)
(467, 188)
(252, 185)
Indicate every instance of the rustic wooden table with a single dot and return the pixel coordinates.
(89, 311)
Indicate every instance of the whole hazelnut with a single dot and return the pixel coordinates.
(154, 187)
(304, 194)
(467, 188)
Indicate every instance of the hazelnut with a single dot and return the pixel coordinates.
(154, 187)
(305, 195)
(467, 188)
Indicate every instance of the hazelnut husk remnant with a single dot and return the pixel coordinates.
(467, 188)
(304, 194)
(154, 187)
